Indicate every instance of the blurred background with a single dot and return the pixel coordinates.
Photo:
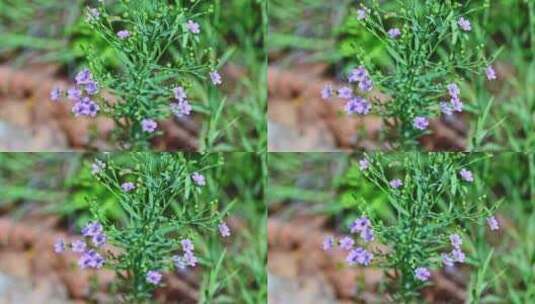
(312, 195)
(42, 46)
(309, 46)
(44, 196)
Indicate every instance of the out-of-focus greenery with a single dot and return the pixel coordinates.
(331, 184)
(502, 113)
(62, 183)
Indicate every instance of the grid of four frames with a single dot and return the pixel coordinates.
(255, 151)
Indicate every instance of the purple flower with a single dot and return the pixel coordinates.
(198, 179)
(99, 239)
(493, 223)
(59, 246)
(326, 92)
(181, 108)
(91, 259)
(367, 234)
(464, 24)
(458, 255)
(456, 104)
(149, 125)
(97, 166)
(78, 246)
(422, 274)
(187, 245)
(456, 240)
(92, 229)
(180, 93)
(445, 108)
(346, 243)
(396, 183)
(466, 175)
(193, 27)
(190, 259)
(366, 85)
(453, 90)
(491, 74)
(359, 256)
(394, 33)
(180, 262)
(328, 243)
(224, 230)
(74, 94)
(85, 107)
(128, 186)
(420, 123)
(357, 105)
(154, 277)
(364, 164)
(360, 224)
(361, 14)
(345, 93)
(55, 94)
(123, 34)
(357, 75)
(92, 88)
(447, 260)
(83, 77)
(216, 78)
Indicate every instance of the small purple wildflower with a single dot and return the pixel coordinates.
(491, 73)
(446, 109)
(180, 93)
(97, 167)
(360, 224)
(366, 85)
(154, 277)
(187, 245)
(181, 108)
(123, 34)
(327, 92)
(328, 243)
(420, 123)
(493, 223)
(358, 105)
(83, 77)
(85, 107)
(99, 239)
(464, 24)
(357, 75)
(346, 243)
(367, 234)
(456, 240)
(396, 183)
(447, 260)
(149, 125)
(422, 274)
(359, 256)
(364, 164)
(453, 90)
(361, 14)
(91, 259)
(466, 175)
(92, 88)
(345, 93)
(199, 179)
(458, 255)
(193, 27)
(92, 229)
(128, 186)
(190, 259)
(216, 78)
(456, 104)
(74, 94)
(55, 94)
(224, 230)
(78, 246)
(394, 33)
(59, 246)
(180, 262)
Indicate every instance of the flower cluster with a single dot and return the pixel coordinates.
(188, 258)
(354, 104)
(89, 257)
(80, 95)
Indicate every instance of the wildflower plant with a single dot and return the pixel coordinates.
(431, 205)
(166, 213)
(431, 49)
(165, 68)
